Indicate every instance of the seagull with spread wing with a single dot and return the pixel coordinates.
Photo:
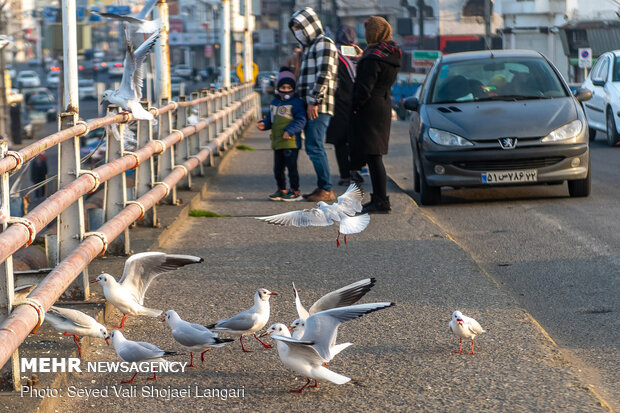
(129, 93)
(324, 215)
(139, 20)
(140, 270)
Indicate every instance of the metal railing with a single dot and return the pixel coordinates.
(181, 152)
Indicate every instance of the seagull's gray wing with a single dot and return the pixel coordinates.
(139, 57)
(301, 311)
(73, 316)
(321, 328)
(306, 218)
(474, 327)
(241, 322)
(344, 296)
(119, 17)
(144, 13)
(351, 201)
(190, 337)
(300, 349)
(131, 351)
(126, 89)
(141, 269)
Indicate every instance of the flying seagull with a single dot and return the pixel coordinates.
(308, 355)
(324, 215)
(194, 337)
(75, 323)
(137, 351)
(347, 295)
(140, 270)
(139, 20)
(129, 93)
(249, 321)
(465, 327)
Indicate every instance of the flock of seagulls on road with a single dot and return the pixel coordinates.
(306, 346)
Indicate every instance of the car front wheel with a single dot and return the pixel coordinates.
(612, 132)
(429, 195)
(580, 188)
(592, 134)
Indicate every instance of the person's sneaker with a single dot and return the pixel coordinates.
(292, 196)
(344, 181)
(322, 195)
(365, 171)
(305, 196)
(278, 195)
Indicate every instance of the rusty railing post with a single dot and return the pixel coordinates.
(7, 282)
(145, 173)
(204, 136)
(165, 163)
(70, 222)
(115, 188)
(181, 149)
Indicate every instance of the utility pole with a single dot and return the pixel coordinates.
(487, 24)
(248, 45)
(421, 24)
(225, 44)
(2, 72)
(162, 53)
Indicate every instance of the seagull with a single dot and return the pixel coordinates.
(465, 327)
(308, 355)
(347, 295)
(140, 269)
(194, 337)
(137, 351)
(129, 93)
(143, 26)
(324, 215)
(75, 323)
(248, 321)
(5, 41)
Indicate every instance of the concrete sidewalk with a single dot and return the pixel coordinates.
(402, 358)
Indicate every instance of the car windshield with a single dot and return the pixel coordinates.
(40, 100)
(616, 77)
(499, 78)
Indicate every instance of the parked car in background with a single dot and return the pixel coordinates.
(175, 85)
(497, 118)
(100, 65)
(603, 110)
(43, 104)
(115, 69)
(87, 89)
(30, 92)
(53, 78)
(27, 78)
(183, 71)
(54, 66)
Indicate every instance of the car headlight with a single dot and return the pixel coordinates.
(441, 137)
(569, 131)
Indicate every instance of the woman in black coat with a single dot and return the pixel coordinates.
(372, 108)
(338, 131)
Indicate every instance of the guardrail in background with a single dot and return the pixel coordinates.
(182, 151)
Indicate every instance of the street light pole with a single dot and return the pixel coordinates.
(2, 71)
(69, 54)
(162, 54)
(247, 45)
(225, 45)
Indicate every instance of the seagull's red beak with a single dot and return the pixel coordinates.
(460, 321)
(94, 280)
(107, 340)
(290, 329)
(272, 294)
(266, 333)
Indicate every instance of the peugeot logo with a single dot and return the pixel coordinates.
(507, 143)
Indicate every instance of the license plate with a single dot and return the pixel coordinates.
(507, 177)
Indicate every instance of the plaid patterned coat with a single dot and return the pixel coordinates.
(319, 67)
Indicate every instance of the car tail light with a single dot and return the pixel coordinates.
(55, 68)
(118, 65)
(80, 67)
(103, 64)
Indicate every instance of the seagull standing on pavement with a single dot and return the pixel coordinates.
(324, 215)
(137, 351)
(129, 93)
(75, 323)
(194, 337)
(465, 327)
(308, 355)
(248, 321)
(140, 270)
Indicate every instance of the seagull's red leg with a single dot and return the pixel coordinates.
(191, 360)
(153, 378)
(261, 341)
(123, 321)
(76, 340)
(130, 381)
(338, 239)
(302, 387)
(202, 355)
(472, 346)
(345, 239)
(242, 347)
(460, 350)
(316, 384)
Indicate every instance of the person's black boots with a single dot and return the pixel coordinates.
(377, 206)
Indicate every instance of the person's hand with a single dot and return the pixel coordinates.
(260, 125)
(286, 136)
(313, 112)
(359, 51)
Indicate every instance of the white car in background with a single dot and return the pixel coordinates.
(183, 71)
(87, 89)
(53, 78)
(27, 78)
(603, 110)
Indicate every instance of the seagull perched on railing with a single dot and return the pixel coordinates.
(143, 26)
(465, 327)
(129, 93)
(75, 323)
(324, 215)
(140, 269)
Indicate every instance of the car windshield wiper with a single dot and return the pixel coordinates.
(511, 97)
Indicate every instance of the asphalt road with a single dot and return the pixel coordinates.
(558, 256)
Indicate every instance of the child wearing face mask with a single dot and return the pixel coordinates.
(287, 120)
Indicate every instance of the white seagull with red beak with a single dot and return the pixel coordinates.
(249, 321)
(465, 327)
(75, 323)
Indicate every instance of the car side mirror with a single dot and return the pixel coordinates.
(598, 82)
(583, 94)
(412, 103)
